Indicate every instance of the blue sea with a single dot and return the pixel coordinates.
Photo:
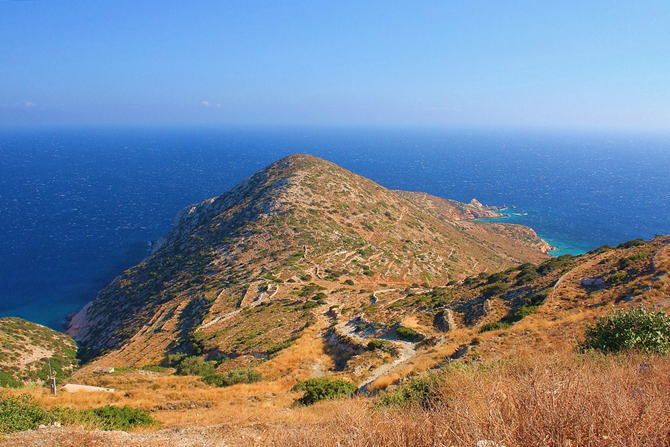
(78, 206)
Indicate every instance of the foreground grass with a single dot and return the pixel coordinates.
(21, 413)
(567, 400)
(590, 400)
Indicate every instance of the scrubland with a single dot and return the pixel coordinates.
(560, 400)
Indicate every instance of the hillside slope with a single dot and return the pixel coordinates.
(25, 348)
(241, 274)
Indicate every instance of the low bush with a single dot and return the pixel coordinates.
(560, 263)
(520, 313)
(408, 334)
(601, 249)
(382, 345)
(423, 391)
(21, 413)
(636, 329)
(7, 380)
(493, 326)
(495, 289)
(233, 377)
(195, 366)
(322, 388)
(497, 277)
(527, 272)
(111, 417)
(631, 244)
(617, 277)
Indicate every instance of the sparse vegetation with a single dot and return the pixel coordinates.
(560, 263)
(32, 346)
(526, 402)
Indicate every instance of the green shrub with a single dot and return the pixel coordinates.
(527, 272)
(154, 368)
(617, 277)
(630, 244)
(173, 360)
(195, 366)
(310, 305)
(7, 380)
(497, 277)
(635, 329)
(382, 345)
(559, 263)
(111, 417)
(495, 289)
(470, 281)
(493, 326)
(421, 391)
(20, 413)
(408, 334)
(233, 377)
(601, 249)
(323, 388)
(520, 313)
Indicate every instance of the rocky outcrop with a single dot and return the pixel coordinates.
(592, 283)
(445, 321)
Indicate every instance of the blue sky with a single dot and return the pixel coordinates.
(517, 64)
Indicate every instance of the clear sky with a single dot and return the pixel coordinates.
(449, 63)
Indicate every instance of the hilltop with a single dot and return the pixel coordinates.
(240, 275)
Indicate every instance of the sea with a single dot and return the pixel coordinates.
(80, 205)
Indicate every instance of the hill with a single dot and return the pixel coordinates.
(498, 351)
(25, 348)
(242, 275)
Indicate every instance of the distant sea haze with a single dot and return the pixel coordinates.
(78, 206)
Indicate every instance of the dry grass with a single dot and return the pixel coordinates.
(593, 401)
(558, 400)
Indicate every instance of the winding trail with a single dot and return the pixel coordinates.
(407, 351)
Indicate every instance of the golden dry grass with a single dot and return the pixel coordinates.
(550, 400)
(568, 401)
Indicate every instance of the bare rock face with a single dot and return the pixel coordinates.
(487, 307)
(445, 321)
(592, 282)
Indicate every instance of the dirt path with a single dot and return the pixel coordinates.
(407, 351)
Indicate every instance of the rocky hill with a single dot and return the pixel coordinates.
(25, 348)
(524, 311)
(242, 275)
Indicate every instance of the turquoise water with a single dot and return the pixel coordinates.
(559, 247)
(78, 206)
